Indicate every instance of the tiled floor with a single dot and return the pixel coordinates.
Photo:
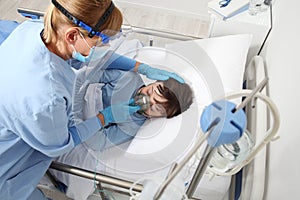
(8, 10)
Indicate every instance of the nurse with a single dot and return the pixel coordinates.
(36, 84)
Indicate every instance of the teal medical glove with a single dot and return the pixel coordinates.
(157, 74)
(119, 112)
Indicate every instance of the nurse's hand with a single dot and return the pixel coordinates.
(119, 112)
(157, 74)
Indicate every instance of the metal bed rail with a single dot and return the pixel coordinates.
(120, 184)
(254, 71)
(161, 33)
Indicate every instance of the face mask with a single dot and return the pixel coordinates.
(78, 56)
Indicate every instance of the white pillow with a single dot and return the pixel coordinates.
(220, 64)
(213, 67)
(228, 53)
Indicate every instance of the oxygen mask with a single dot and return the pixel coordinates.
(143, 101)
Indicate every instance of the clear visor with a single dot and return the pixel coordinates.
(90, 72)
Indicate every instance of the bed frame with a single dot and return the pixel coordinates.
(239, 181)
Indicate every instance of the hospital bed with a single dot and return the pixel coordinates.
(221, 57)
(157, 151)
(147, 153)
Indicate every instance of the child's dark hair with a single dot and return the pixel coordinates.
(179, 96)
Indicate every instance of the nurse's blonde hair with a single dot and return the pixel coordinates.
(88, 11)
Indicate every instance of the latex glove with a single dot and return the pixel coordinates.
(119, 112)
(157, 74)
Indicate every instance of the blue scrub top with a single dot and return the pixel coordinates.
(6, 27)
(35, 110)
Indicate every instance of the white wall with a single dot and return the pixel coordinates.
(282, 57)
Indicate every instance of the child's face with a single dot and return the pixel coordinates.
(156, 108)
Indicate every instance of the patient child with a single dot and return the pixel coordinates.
(167, 99)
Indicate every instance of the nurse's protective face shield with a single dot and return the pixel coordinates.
(91, 71)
